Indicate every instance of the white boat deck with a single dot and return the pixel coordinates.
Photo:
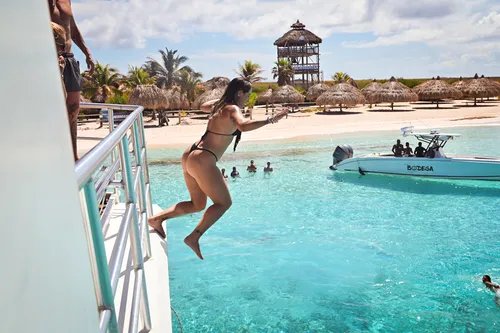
(156, 272)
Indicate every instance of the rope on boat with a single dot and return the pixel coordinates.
(178, 319)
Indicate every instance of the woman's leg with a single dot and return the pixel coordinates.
(196, 204)
(211, 182)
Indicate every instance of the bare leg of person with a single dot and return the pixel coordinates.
(73, 108)
(197, 204)
(210, 180)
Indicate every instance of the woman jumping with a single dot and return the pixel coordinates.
(201, 174)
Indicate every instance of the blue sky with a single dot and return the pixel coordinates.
(365, 38)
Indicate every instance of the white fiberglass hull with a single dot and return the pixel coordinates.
(458, 167)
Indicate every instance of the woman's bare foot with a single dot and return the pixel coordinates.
(156, 225)
(192, 242)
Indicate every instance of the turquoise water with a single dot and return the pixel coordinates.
(308, 250)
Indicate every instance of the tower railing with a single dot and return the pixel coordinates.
(117, 168)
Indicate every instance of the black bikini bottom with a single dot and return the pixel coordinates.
(195, 147)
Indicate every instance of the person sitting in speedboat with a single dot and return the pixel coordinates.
(397, 149)
(407, 150)
(420, 151)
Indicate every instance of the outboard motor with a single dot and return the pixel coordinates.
(340, 154)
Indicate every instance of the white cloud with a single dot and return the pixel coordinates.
(470, 29)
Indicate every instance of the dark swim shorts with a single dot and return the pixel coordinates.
(71, 73)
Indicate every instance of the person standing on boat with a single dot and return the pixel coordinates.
(420, 151)
(199, 162)
(408, 151)
(397, 149)
(61, 13)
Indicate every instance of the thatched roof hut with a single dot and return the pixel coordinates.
(265, 97)
(286, 94)
(481, 88)
(436, 89)
(316, 90)
(174, 98)
(207, 96)
(392, 91)
(216, 82)
(298, 36)
(341, 94)
(148, 96)
(372, 86)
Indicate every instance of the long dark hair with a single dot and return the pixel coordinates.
(229, 96)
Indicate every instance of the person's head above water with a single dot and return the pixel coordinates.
(398, 141)
(234, 168)
(486, 278)
(268, 164)
(223, 170)
(237, 93)
(407, 144)
(420, 144)
(251, 162)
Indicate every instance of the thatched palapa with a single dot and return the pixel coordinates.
(208, 96)
(481, 88)
(341, 94)
(265, 97)
(148, 96)
(374, 85)
(315, 91)
(392, 91)
(216, 82)
(298, 36)
(286, 94)
(436, 89)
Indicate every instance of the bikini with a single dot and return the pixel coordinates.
(194, 147)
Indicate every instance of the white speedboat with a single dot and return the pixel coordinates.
(439, 166)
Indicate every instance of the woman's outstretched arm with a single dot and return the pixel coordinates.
(245, 125)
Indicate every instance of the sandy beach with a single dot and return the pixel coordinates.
(305, 124)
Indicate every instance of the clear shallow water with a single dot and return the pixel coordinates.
(308, 250)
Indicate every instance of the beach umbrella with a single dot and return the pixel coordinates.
(481, 88)
(374, 85)
(216, 82)
(148, 96)
(265, 97)
(316, 90)
(286, 94)
(391, 92)
(174, 98)
(208, 96)
(341, 94)
(436, 89)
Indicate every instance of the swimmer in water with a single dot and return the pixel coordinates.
(494, 287)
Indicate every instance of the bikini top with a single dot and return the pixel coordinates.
(236, 133)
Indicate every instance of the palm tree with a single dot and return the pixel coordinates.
(283, 71)
(104, 81)
(250, 71)
(167, 72)
(189, 82)
(341, 77)
(138, 76)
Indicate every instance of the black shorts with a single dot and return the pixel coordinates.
(71, 73)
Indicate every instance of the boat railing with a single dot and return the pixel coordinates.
(115, 169)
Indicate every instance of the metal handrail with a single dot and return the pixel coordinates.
(134, 182)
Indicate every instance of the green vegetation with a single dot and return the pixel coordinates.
(252, 100)
(250, 71)
(284, 71)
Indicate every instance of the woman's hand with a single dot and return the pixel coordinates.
(279, 115)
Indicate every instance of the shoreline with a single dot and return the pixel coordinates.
(310, 126)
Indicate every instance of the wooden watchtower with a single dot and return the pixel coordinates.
(301, 48)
